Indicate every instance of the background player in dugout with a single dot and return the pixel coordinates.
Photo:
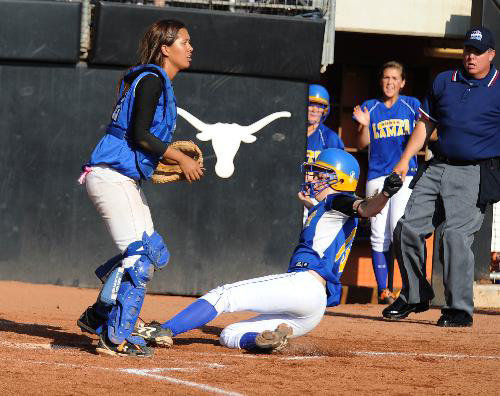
(136, 139)
(319, 136)
(291, 304)
(385, 125)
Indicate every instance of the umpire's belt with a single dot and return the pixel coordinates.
(454, 162)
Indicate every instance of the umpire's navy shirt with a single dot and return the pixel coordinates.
(467, 113)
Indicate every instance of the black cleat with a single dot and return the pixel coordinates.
(89, 321)
(126, 348)
(455, 318)
(400, 310)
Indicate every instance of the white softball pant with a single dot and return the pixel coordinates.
(383, 224)
(120, 201)
(297, 299)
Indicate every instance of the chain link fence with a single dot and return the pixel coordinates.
(304, 8)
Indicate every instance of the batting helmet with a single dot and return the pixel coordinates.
(341, 168)
(319, 95)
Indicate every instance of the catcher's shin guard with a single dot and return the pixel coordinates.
(124, 314)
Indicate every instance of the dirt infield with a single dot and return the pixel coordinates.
(352, 350)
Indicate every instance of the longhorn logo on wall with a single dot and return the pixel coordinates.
(226, 138)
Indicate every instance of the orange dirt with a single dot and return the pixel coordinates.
(352, 350)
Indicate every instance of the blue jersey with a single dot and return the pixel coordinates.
(115, 149)
(390, 130)
(326, 240)
(322, 138)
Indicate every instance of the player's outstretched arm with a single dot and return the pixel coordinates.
(418, 138)
(372, 206)
(362, 116)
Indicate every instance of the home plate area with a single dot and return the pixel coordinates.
(353, 349)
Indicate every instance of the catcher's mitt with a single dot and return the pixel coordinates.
(169, 171)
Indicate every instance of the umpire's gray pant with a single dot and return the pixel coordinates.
(444, 193)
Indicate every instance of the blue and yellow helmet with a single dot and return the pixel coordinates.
(319, 95)
(342, 169)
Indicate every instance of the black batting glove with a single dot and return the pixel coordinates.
(392, 184)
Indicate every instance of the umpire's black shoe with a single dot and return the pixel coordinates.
(400, 310)
(454, 318)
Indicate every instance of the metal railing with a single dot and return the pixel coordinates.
(312, 8)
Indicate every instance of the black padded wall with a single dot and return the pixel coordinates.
(282, 47)
(52, 115)
(43, 31)
(218, 230)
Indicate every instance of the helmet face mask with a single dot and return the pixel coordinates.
(334, 168)
(317, 179)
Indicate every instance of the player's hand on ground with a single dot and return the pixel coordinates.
(392, 184)
(361, 115)
(401, 169)
(305, 200)
(191, 169)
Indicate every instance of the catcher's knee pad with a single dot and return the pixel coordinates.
(153, 255)
(152, 247)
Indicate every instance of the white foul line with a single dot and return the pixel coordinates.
(145, 373)
(207, 388)
(251, 356)
(434, 355)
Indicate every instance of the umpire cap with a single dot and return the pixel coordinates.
(480, 38)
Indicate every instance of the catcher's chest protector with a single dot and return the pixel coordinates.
(114, 148)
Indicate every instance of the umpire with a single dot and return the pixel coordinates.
(464, 105)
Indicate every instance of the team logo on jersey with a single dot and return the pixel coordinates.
(390, 128)
(226, 138)
(476, 35)
(309, 219)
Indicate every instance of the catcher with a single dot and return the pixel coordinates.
(137, 140)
